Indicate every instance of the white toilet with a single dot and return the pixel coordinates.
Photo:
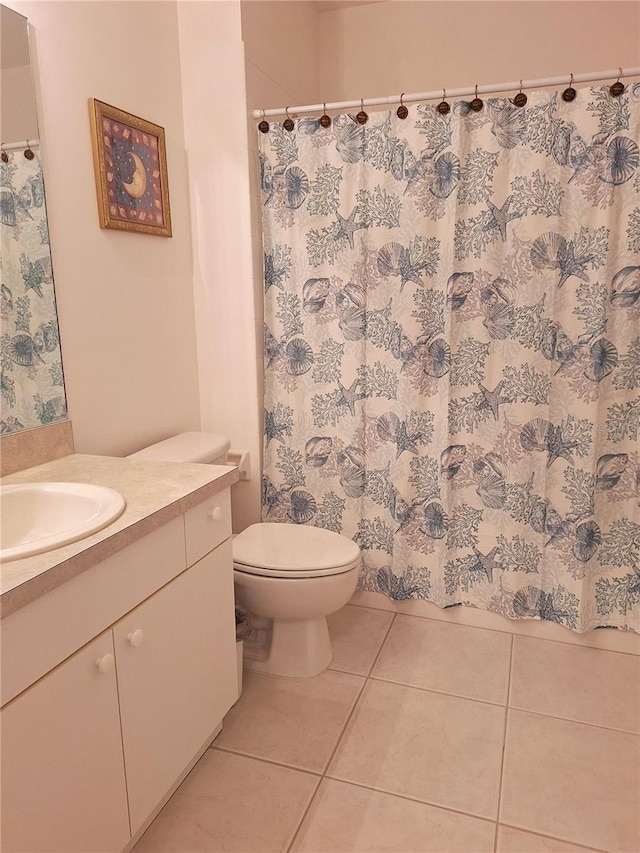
(291, 577)
(288, 577)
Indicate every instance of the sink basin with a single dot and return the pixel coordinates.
(37, 517)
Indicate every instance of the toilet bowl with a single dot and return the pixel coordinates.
(288, 577)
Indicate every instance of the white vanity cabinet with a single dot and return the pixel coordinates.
(63, 783)
(172, 688)
(113, 698)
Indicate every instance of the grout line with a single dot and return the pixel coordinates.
(554, 838)
(344, 727)
(304, 814)
(576, 645)
(380, 647)
(365, 679)
(504, 746)
(411, 799)
(377, 654)
(574, 721)
(316, 773)
(439, 692)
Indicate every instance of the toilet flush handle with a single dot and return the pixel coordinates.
(215, 513)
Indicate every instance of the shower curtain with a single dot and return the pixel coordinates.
(31, 380)
(452, 349)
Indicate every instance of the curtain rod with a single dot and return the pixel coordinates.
(15, 146)
(588, 77)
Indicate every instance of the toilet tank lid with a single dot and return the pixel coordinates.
(186, 447)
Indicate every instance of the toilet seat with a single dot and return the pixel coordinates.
(293, 551)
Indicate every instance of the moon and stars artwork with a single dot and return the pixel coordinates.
(131, 171)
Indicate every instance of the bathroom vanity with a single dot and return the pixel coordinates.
(118, 656)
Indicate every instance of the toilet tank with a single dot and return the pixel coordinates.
(205, 447)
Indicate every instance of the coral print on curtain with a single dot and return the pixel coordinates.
(452, 308)
(32, 385)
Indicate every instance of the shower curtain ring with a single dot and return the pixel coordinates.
(569, 93)
(263, 127)
(288, 122)
(520, 99)
(325, 120)
(617, 88)
(443, 107)
(477, 103)
(29, 155)
(402, 111)
(4, 156)
(362, 117)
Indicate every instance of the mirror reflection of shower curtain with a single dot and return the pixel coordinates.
(32, 384)
(452, 350)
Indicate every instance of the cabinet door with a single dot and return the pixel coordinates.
(175, 656)
(63, 786)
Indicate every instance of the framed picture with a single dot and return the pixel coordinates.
(130, 162)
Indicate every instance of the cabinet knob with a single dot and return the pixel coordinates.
(105, 663)
(215, 513)
(136, 637)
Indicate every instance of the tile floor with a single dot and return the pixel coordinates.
(422, 736)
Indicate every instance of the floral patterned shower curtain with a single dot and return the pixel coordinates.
(452, 349)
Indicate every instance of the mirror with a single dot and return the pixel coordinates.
(31, 381)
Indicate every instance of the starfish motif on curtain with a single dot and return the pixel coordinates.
(486, 563)
(349, 396)
(346, 227)
(558, 446)
(493, 399)
(410, 271)
(500, 216)
(406, 440)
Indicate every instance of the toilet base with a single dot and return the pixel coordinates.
(298, 649)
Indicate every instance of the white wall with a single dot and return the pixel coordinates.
(125, 300)
(281, 49)
(382, 49)
(215, 115)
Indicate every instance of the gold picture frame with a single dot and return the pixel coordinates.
(130, 161)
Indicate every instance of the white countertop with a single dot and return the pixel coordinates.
(155, 492)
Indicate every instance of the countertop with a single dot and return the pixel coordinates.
(155, 492)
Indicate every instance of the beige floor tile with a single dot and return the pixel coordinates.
(436, 748)
(344, 818)
(469, 662)
(295, 721)
(577, 683)
(516, 841)
(572, 781)
(231, 803)
(356, 636)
